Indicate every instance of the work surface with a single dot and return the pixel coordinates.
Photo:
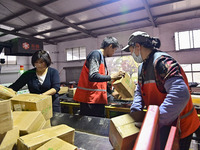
(90, 132)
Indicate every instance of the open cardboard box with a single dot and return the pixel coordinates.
(123, 131)
(33, 102)
(125, 87)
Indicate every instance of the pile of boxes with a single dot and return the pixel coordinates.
(25, 124)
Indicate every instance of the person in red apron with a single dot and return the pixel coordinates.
(92, 88)
(162, 82)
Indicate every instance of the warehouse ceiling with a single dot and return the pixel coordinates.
(54, 21)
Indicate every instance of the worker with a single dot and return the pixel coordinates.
(42, 79)
(162, 82)
(91, 91)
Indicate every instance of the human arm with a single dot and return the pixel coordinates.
(169, 75)
(138, 103)
(93, 63)
(21, 81)
(137, 107)
(176, 99)
(52, 91)
(53, 85)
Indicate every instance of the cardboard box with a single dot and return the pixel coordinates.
(125, 86)
(6, 93)
(47, 124)
(63, 90)
(57, 144)
(9, 139)
(71, 92)
(33, 102)
(28, 121)
(123, 132)
(35, 140)
(6, 120)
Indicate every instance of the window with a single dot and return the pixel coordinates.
(192, 72)
(187, 39)
(76, 53)
(8, 59)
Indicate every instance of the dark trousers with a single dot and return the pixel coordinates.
(56, 105)
(97, 110)
(184, 143)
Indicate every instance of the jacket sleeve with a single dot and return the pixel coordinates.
(21, 81)
(138, 103)
(176, 99)
(93, 64)
(55, 80)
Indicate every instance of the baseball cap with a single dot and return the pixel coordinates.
(136, 37)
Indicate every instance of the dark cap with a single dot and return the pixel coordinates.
(136, 37)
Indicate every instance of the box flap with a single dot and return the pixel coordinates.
(122, 120)
(29, 97)
(56, 144)
(45, 135)
(28, 121)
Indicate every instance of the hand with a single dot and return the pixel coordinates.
(138, 124)
(115, 94)
(118, 75)
(11, 91)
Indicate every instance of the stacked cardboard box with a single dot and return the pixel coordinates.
(47, 124)
(8, 134)
(57, 144)
(31, 120)
(8, 140)
(35, 140)
(33, 102)
(6, 120)
(28, 121)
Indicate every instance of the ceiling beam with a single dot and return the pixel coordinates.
(154, 5)
(24, 36)
(22, 12)
(143, 19)
(53, 16)
(17, 14)
(64, 35)
(48, 31)
(73, 38)
(106, 2)
(68, 14)
(91, 20)
(104, 17)
(146, 5)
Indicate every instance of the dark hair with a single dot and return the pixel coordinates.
(41, 54)
(153, 43)
(109, 40)
(144, 39)
(156, 43)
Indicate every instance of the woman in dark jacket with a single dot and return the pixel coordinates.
(42, 79)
